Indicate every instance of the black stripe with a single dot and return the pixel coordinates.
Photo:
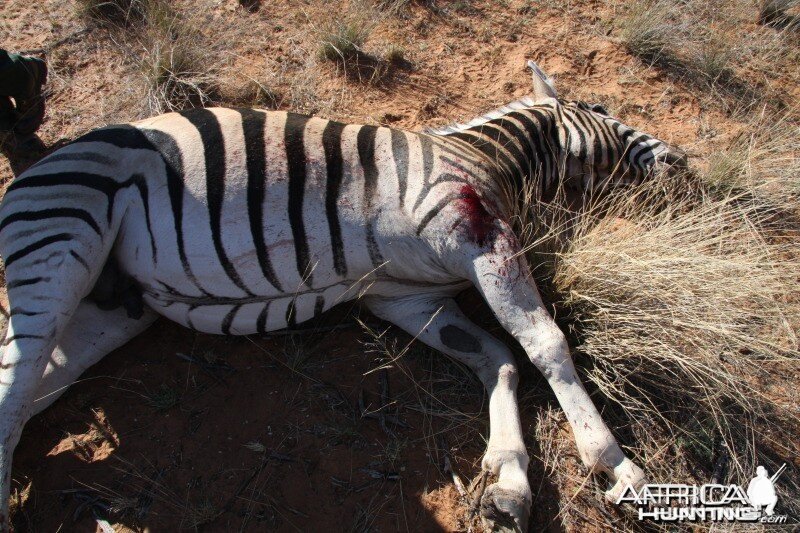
(172, 156)
(189, 323)
(638, 160)
(602, 143)
(57, 212)
(444, 177)
(426, 147)
(623, 137)
(365, 142)
(319, 305)
(228, 320)
(213, 141)
(261, 321)
(463, 150)
(400, 156)
(497, 132)
(255, 148)
(80, 260)
(28, 281)
(567, 142)
(578, 125)
(296, 162)
(332, 144)
(553, 144)
(141, 185)
(103, 184)
(435, 210)
(612, 145)
(169, 288)
(489, 149)
(126, 136)
(590, 123)
(91, 157)
(13, 338)
(524, 141)
(628, 146)
(534, 133)
(291, 314)
(18, 311)
(121, 136)
(41, 243)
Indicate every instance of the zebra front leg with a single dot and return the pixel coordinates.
(439, 323)
(502, 275)
(89, 336)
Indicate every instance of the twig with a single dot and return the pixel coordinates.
(74, 36)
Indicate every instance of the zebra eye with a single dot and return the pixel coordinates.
(597, 108)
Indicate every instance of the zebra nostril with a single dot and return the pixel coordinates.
(676, 158)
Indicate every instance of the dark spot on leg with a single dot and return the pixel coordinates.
(456, 338)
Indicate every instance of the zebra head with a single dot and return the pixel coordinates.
(596, 149)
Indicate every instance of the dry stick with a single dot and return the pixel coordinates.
(74, 36)
(778, 473)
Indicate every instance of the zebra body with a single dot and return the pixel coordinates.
(245, 221)
(244, 262)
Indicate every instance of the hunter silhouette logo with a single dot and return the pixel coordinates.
(761, 490)
(712, 502)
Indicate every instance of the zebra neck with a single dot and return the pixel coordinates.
(518, 145)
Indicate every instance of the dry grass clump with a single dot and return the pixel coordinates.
(181, 57)
(777, 13)
(763, 160)
(341, 40)
(647, 28)
(178, 71)
(685, 303)
(178, 55)
(115, 13)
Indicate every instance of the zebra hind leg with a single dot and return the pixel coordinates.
(88, 337)
(46, 281)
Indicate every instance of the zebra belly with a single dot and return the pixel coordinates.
(246, 316)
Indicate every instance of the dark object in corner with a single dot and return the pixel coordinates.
(114, 288)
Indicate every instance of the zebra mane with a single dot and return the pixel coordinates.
(523, 103)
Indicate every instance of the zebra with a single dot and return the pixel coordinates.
(243, 221)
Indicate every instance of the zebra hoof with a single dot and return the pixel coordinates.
(505, 510)
(627, 473)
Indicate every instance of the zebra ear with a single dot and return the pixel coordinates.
(542, 85)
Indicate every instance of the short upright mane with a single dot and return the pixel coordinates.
(523, 103)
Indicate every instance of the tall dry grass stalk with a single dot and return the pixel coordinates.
(764, 160)
(685, 303)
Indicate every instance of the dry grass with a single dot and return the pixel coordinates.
(702, 44)
(114, 13)
(764, 160)
(342, 40)
(179, 57)
(646, 29)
